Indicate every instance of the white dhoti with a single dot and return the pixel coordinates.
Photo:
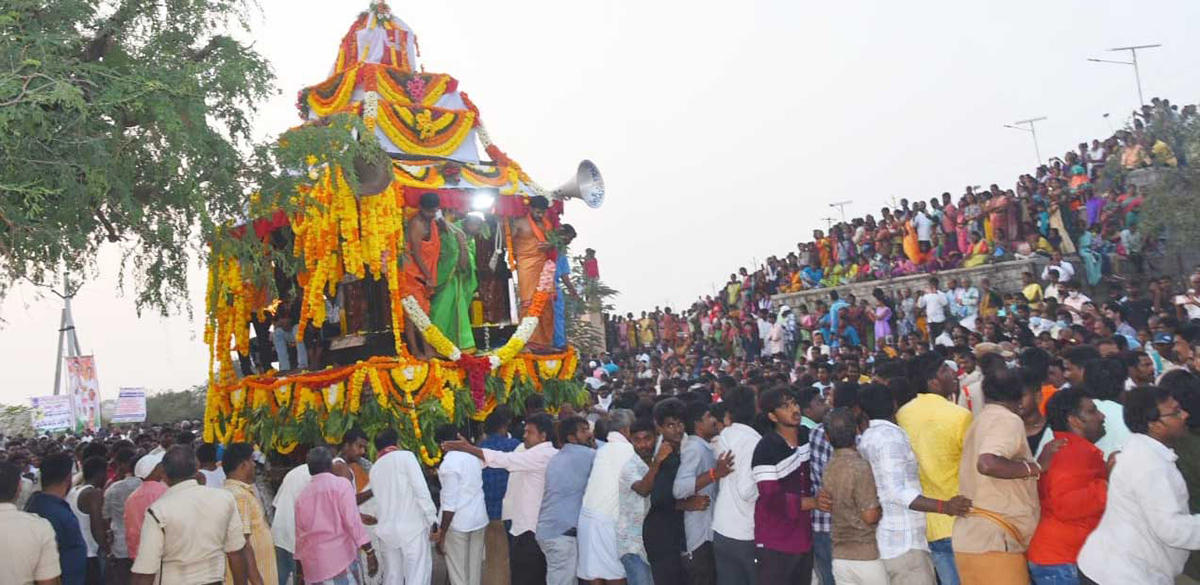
(598, 556)
(409, 564)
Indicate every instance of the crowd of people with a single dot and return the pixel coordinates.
(1015, 454)
(1078, 205)
(955, 434)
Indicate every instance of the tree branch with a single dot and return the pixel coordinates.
(209, 48)
(103, 41)
(112, 236)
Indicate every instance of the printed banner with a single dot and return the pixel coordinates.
(53, 413)
(131, 406)
(85, 388)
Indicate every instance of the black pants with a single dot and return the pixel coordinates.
(779, 568)
(117, 571)
(699, 567)
(95, 571)
(668, 570)
(735, 561)
(526, 562)
(935, 329)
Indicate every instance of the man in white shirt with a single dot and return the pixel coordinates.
(764, 330)
(599, 556)
(934, 303)
(283, 524)
(406, 512)
(1188, 305)
(464, 515)
(29, 553)
(900, 534)
(523, 501)
(733, 514)
(1074, 301)
(1146, 531)
(924, 225)
(214, 475)
(1065, 270)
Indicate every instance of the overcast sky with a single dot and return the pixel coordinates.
(723, 130)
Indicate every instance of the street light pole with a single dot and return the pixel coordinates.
(1137, 74)
(841, 205)
(1032, 130)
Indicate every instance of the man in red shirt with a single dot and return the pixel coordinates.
(1073, 490)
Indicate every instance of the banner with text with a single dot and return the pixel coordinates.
(131, 406)
(53, 413)
(85, 388)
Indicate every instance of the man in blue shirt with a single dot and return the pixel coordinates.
(567, 476)
(49, 504)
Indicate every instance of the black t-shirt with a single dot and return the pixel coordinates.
(1138, 312)
(1036, 439)
(662, 532)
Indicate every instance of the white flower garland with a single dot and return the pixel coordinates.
(525, 328)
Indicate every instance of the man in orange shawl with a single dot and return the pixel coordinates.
(531, 251)
(419, 267)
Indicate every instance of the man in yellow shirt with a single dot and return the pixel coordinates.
(936, 428)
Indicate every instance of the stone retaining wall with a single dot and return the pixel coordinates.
(1004, 276)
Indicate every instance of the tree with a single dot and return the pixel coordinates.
(594, 297)
(124, 121)
(172, 407)
(1173, 196)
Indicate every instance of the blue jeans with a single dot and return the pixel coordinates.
(283, 565)
(637, 570)
(1054, 574)
(823, 557)
(284, 337)
(943, 561)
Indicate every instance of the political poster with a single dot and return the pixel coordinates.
(53, 413)
(85, 389)
(131, 406)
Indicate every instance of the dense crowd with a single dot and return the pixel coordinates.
(954, 434)
(1078, 205)
(1014, 454)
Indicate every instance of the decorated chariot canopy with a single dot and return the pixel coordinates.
(351, 244)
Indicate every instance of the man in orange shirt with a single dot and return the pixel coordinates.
(1073, 490)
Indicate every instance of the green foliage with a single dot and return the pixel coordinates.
(172, 407)
(122, 121)
(1171, 203)
(464, 407)
(594, 299)
(559, 391)
(129, 122)
(16, 421)
(521, 389)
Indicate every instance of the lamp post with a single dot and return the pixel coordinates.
(1032, 130)
(1137, 74)
(841, 205)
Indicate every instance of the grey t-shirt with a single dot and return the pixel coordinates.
(114, 512)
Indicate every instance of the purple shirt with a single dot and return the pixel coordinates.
(782, 475)
(328, 527)
(882, 327)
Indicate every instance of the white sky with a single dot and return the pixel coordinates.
(723, 129)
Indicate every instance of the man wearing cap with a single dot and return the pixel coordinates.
(531, 250)
(191, 533)
(148, 469)
(419, 264)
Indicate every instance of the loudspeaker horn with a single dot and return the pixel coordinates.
(588, 185)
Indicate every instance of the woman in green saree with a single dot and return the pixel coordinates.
(450, 309)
